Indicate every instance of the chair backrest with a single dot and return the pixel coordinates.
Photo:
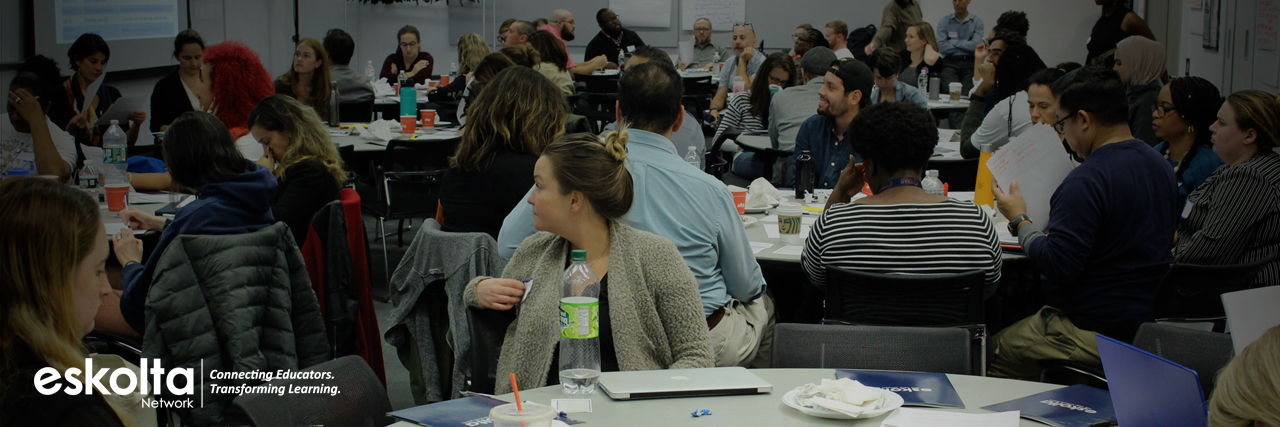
(598, 84)
(358, 399)
(1193, 291)
(905, 299)
(894, 348)
(356, 112)
(1203, 352)
(700, 86)
(412, 172)
(960, 175)
(716, 164)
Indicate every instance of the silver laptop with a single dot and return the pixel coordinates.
(633, 385)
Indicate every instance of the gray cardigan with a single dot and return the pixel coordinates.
(654, 306)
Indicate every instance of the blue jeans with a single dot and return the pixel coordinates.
(746, 166)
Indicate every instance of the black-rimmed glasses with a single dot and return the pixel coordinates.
(1161, 110)
(1061, 125)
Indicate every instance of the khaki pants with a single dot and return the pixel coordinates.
(1046, 335)
(744, 337)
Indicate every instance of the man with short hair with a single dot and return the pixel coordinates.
(692, 209)
(787, 111)
(612, 39)
(837, 32)
(959, 35)
(1105, 245)
(518, 33)
(743, 65)
(562, 25)
(846, 90)
(689, 134)
(894, 20)
(704, 51)
(352, 87)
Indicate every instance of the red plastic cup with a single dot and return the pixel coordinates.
(117, 197)
(408, 124)
(740, 200)
(444, 80)
(397, 88)
(428, 118)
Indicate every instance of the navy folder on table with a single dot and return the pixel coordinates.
(1075, 406)
(1149, 390)
(916, 388)
(463, 412)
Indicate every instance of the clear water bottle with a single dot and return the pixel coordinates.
(622, 58)
(715, 63)
(922, 82)
(931, 183)
(369, 73)
(453, 70)
(402, 78)
(115, 148)
(92, 181)
(693, 158)
(579, 326)
(333, 104)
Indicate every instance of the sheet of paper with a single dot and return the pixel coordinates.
(571, 405)
(123, 107)
(92, 89)
(114, 227)
(686, 51)
(791, 250)
(643, 13)
(908, 417)
(528, 286)
(145, 198)
(1250, 313)
(756, 247)
(1035, 160)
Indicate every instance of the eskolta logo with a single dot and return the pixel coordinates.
(89, 380)
(1071, 406)
(902, 389)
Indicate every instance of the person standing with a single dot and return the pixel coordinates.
(704, 51)
(562, 26)
(897, 16)
(308, 79)
(959, 35)
(416, 64)
(185, 89)
(1116, 23)
(612, 38)
(352, 87)
(837, 34)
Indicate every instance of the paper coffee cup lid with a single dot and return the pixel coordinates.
(790, 209)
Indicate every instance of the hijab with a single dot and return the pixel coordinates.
(1143, 59)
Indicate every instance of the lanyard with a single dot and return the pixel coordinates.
(900, 182)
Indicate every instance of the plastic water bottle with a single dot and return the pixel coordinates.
(453, 70)
(402, 78)
(579, 326)
(115, 148)
(922, 82)
(369, 73)
(931, 183)
(693, 158)
(622, 58)
(89, 180)
(715, 63)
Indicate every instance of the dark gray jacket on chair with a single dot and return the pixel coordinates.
(237, 303)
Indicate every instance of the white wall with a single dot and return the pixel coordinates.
(1059, 29)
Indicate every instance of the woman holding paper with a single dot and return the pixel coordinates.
(1234, 217)
(77, 113)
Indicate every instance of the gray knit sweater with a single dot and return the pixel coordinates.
(653, 304)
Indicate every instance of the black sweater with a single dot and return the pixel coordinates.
(168, 101)
(477, 202)
(307, 186)
(22, 406)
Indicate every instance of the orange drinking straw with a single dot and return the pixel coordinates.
(516, 389)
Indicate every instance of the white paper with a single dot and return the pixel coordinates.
(686, 51)
(1035, 160)
(144, 198)
(122, 108)
(909, 417)
(1250, 313)
(722, 13)
(91, 92)
(528, 286)
(114, 227)
(571, 405)
(792, 250)
(756, 247)
(643, 13)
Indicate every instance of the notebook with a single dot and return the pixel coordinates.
(1074, 406)
(682, 383)
(930, 390)
(1148, 390)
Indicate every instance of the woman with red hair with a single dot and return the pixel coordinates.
(238, 82)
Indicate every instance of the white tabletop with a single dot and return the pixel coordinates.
(365, 142)
(764, 409)
(940, 105)
(948, 144)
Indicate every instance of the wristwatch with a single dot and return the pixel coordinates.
(1013, 223)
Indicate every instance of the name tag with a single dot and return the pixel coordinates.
(1186, 209)
(953, 35)
(631, 48)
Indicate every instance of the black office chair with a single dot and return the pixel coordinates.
(599, 95)
(355, 112)
(361, 399)
(1192, 293)
(488, 330)
(410, 183)
(893, 348)
(697, 94)
(1203, 352)
(960, 175)
(922, 300)
(717, 163)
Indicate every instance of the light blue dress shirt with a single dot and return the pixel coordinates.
(902, 92)
(691, 208)
(967, 35)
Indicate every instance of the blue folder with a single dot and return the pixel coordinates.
(916, 388)
(463, 412)
(1075, 406)
(1149, 390)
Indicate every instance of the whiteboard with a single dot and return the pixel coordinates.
(721, 13)
(643, 13)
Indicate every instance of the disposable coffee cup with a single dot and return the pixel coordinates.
(408, 124)
(533, 415)
(955, 91)
(428, 118)
(396, 87)
(739, 198)
(117, 197)
(789, 223)
(431, 84)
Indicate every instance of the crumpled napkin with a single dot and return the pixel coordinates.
(762, 194)
(382, 129)
(843, 395)
(383, 88)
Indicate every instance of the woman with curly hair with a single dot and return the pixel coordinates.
(244, 82)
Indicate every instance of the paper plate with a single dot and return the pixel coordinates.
(890, 402)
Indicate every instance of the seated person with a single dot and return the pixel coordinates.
(489, 67)
(742, 65)
(846, 89)
(54, 249)
(308, 79)
(583, 190)
(915, 232)
(518, 114)
(689, 136)
(1044, 106)
(790, 108)
(554, 62)
(1140, 63)
(1005, 119)
(1234, 217)
(885, 63)
(1106, 243)
(184, 89)
(234, 198)
(298, 152)
(806, 39)
(1246, 389)
(522, 55)
(921, 55)
(687, 206)
(353, 88)
(238, 81)
(1185, 111)
(415, 63)
(88, 57)
(748, 110)
(29, 140)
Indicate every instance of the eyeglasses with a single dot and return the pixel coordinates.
(776, 81)
(744, 24)
(702, 28)
(1061, 125)
(409, 44)
(502, 39)
(1161, 110)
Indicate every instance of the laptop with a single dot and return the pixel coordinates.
(1148, 390)
(632, 385)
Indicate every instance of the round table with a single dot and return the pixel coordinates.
(764, 409)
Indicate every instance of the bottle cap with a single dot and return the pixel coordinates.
(578, 255)
(931, 172)
(115, 122)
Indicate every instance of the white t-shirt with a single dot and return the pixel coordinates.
(843, 53)
(17, 150)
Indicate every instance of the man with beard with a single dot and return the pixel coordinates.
(562, 25)
(846, 90)
(704, 51)
(743, 65)
(612, 39)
